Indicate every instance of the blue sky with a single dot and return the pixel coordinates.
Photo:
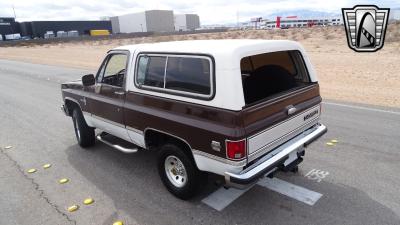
(210, 11)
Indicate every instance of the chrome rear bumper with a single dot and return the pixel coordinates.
(274, 159)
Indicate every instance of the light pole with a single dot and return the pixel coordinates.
(141, 26)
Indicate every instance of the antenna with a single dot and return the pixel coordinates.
(15, 15)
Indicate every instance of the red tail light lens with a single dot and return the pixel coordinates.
(236, 149)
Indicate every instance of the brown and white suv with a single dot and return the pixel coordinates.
(237, 108)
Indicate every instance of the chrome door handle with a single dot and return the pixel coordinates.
(119, 92)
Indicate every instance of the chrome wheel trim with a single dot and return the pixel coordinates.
(175, 171)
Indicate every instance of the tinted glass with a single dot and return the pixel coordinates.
(188, 74)
(151, 71)
(267, 75)
(116, 65)
(282, 59)
(113, 71)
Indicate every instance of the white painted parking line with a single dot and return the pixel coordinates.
(362, 108)
(296, 192)
(222, 197)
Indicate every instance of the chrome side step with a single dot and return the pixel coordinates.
(116, 146)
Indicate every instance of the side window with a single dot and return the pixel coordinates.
(142, 68)
(188, 74)
(113, 72)
(180, 75)
(151, 71)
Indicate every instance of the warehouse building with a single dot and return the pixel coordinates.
(39, 28)
(147, 21)
(186, 22)
(8, 26)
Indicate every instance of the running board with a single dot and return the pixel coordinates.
(116, 146)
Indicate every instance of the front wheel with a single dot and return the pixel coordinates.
(84, 134)
(178, 172)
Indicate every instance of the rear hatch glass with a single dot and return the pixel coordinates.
(267, 75)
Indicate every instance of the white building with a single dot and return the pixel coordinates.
(147, 21)
(186, 22)
(301, 22)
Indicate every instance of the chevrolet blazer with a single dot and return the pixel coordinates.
(241, 109)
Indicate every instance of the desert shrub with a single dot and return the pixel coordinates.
(306, 35)
(393, 33)
(392, 37)
(328, 34)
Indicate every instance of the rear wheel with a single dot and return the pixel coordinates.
(178, 172)
(84, 134)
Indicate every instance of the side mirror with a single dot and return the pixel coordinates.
(88, 80)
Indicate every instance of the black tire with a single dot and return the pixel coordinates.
(193, 175)
(84, 134)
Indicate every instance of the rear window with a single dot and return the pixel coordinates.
(182, 75)
(267, 75)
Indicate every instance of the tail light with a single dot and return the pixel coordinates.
(236, 150)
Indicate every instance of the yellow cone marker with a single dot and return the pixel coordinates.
(8, 147)
(46, 166)
(334, 141)
(88, 201)
(73, 208)
(63, 181)
(31, 170)
(329, 144)
(118, 223)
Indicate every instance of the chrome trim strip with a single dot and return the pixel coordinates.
(134, 130)
(165, 71)
(255, 153)
(220, 159)
(284, 138)
(284, 150)
(171, 91)
(269, 128)
(108, 121)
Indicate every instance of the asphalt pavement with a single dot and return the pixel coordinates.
(357, 178)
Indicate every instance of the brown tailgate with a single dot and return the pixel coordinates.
(265, 115)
